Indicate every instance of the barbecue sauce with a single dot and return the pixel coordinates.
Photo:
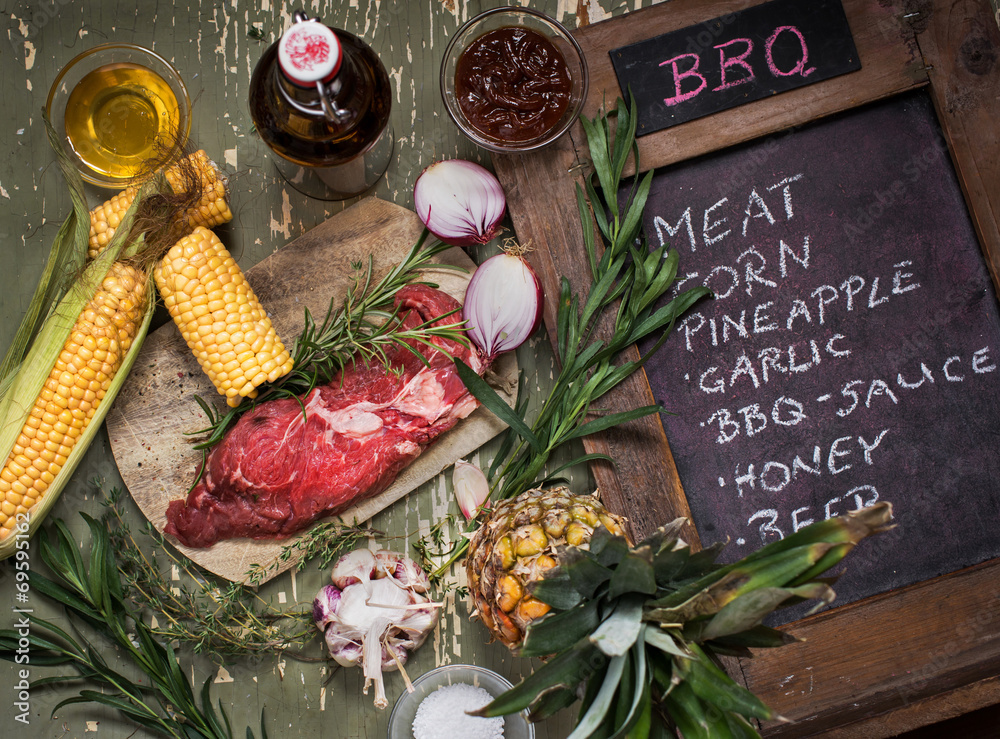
(512, 84)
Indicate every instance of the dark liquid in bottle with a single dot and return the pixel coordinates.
(348, 153)
(512, 84)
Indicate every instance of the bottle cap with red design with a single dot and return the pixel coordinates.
(309, 52)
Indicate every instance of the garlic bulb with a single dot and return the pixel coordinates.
(375, 613)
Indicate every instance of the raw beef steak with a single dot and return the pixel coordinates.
(279, 470)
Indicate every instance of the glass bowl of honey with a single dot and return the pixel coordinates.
(513, 79)
(122, 110)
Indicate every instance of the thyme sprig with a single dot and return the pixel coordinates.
(92, 594)
(363, 327)
(324, 543)
(629, 283)
(216, 619)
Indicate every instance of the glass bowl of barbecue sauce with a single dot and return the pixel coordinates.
(513, 79)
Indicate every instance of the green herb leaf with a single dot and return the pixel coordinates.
(494, 403)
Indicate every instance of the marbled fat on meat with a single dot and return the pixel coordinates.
(279, 470)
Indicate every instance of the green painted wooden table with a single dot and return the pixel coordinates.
(214, 46)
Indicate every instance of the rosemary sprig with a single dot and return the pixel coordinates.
(628, 282)
(362, 328)
(220, 620)
(92, 594)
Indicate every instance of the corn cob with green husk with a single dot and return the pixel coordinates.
(79, 338)
(637, 631)
(209, 207)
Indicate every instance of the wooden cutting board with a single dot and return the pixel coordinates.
(156, 410)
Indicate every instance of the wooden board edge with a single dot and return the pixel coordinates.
(882, 32)
(959, 42)
(936, 708)
(955, 647)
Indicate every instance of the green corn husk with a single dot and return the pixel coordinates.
(637, 651)
(42, 334)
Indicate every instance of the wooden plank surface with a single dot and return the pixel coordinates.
(152, 420)
(851, 670)
(214, 46)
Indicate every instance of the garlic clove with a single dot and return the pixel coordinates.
(471, 488)
(358, 566)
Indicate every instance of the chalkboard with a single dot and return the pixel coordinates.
(734, 59)
(910, 656)
(852, 351)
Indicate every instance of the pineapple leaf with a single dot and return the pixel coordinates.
(758, 637)
(598, 541)
(586, 574)
(556, 589)
(665, 538)
(740, 727)
(707, 595)
(643, 727)
(833, 557)
(620, 630)
(749, 609)
(662, 640)
(668, 566)
(558, 631)
(687, 712)
(639, 709)
(551, 701)
(567, 670)
(602, 701)
(710, 683)
(610, 550)
(634, 574)
(702, 563)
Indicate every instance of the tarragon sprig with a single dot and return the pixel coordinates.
(91, 592)
(361, 328)
(629, 283)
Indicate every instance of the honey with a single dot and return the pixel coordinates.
(121, 116)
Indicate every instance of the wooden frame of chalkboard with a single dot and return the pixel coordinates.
(895, 661)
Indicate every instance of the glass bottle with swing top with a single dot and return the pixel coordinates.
(320, 99)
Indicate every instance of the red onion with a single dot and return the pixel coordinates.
(460, 202)
(503, 303)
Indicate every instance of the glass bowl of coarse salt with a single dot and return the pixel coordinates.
(436, 709)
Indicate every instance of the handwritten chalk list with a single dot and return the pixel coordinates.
(852, 352)
(734, 59)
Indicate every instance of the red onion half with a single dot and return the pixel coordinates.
(460, 202)
(503, 303)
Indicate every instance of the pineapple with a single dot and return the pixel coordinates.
(636, 632)
(517, 544)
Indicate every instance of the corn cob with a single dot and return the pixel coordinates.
(219, 316)
(77, 384)
(212, 209)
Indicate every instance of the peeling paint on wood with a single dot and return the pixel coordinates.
(214, 49)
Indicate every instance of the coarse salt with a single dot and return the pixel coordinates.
(442, 714)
